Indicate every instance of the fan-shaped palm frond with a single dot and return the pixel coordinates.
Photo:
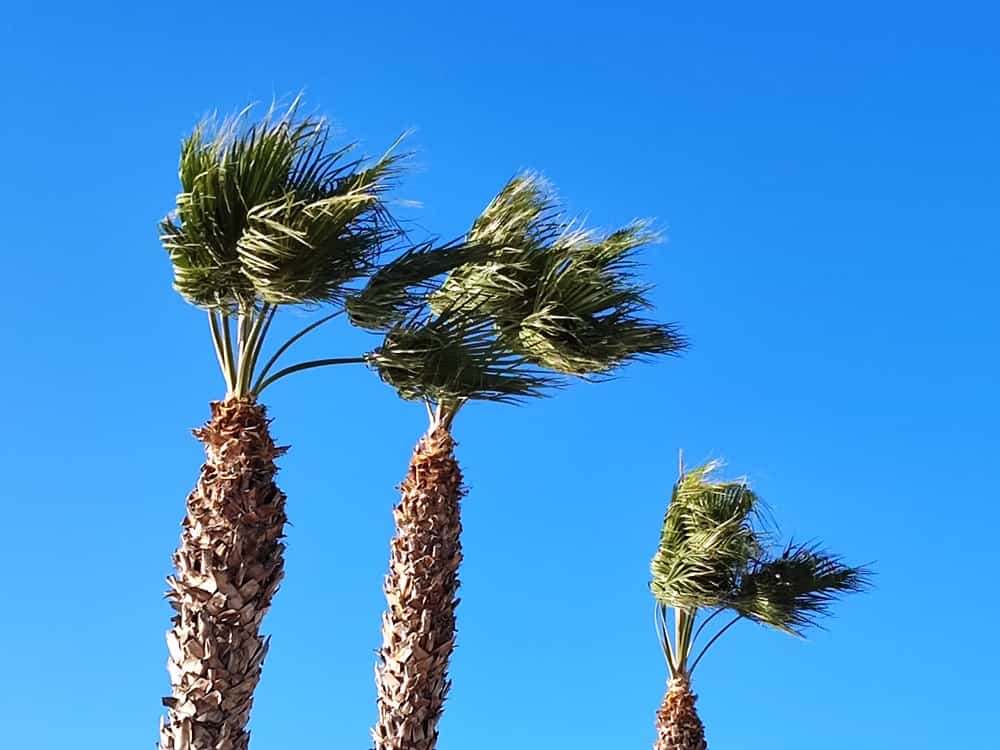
(450, 358)
(268, 214)
(792, 591)
(714, 555)
(399, 289)
(562, 296)
(707, 540)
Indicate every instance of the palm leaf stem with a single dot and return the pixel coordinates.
(716, 637)
(307, 366)
(705, 622)
(220, 352)
(663, 633)
(259, 385)
(227, 344)
(267, 315)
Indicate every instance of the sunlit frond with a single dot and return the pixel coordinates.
(706, 542)
(565, 297)
(268, 213)
(399, 288)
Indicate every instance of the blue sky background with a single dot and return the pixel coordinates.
(827, 176)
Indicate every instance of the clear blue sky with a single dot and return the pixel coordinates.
(827, 175)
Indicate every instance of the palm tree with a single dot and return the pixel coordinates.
(268, 217)
(715, 558)
(532, 297)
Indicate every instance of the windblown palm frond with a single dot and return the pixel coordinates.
(714, 556)
(792, 591)
(560, 295)
(399, 288)
(268, 214)
(450, 358)
(707, 541)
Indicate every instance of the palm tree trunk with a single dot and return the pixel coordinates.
(229, 565)
(677, 724)
(418, 627)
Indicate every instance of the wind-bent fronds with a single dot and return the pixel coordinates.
(449, 359)
(562, 296)
(268, 215)
(399, 288)
(706, 542)
(714, 555)
(792, 591)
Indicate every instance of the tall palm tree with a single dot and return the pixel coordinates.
(532, 297)
(716, 558)
(268, 217)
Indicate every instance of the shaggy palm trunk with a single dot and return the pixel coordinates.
(229, 564)
(677, 724)
(418, 627)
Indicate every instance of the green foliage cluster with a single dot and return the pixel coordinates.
(716, 553)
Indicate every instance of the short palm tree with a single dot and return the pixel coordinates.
(268, 217)
(532, 297)
(714, 559)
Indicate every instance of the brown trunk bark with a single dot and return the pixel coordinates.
(229, 564)
(418, 627)
(677, 724)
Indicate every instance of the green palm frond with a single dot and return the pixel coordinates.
(713, 556)
(399, 289)
(706, 542)
(564, 297)
(267, 213)
(450, 358)
(792, 591)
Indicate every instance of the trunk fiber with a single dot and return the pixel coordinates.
(229, 564)
(418, 627)
(677, 724)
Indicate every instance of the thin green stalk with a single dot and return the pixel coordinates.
(227, 348)
(705, 622)
(684, 623)
(262, 335)
(217, 343)
(259, 385)
(250, 337)
(663, 633)
(306, 366)
(716, 637)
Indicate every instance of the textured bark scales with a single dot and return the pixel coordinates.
(228, 566)
(677, 724)
(418, 627)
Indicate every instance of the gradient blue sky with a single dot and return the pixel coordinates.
(827, 176)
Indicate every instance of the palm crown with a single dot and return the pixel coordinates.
(270, 215)
(716, 555)
(526, 297)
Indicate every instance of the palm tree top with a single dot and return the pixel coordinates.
(716, 555)
(269, 213)
(524, 298)
(565, 297)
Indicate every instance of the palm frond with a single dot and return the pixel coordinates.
(706, 542)
(564, 297)
(268, 213)
(399, 289)
(450, 358)
(794, 590)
